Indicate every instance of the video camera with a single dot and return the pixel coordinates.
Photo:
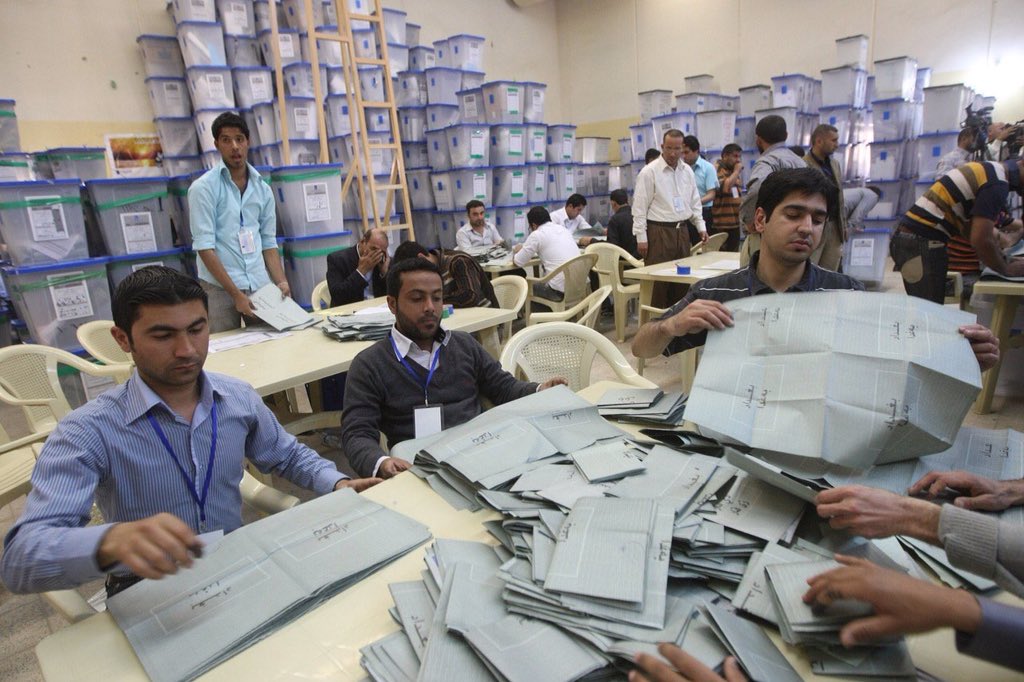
(979, 122)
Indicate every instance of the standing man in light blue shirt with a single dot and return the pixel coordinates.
(234, 228)
(707, 182)
(162, 455)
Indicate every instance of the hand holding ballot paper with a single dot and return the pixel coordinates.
(272, 305)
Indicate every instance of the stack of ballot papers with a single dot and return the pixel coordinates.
(257, 579)
(280, 312)
(867, 365)
(359, 326)
(643, 405)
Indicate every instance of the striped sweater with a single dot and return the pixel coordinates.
(976, 189)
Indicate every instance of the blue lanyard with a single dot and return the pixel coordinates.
(430, 372)
(189, 481)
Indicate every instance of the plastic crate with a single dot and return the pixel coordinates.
(201, 43)
(132, 214)
(412, 123)
(931, 147)
(890, 200)
(300, 153)
(252, 84)
(421, 196)
(421, 58)
(891, 118)
(472, 183)
(864, 256)
(193, 10)
(182, 165)
(16, 166)
(441, 56)
(654, 103)
(535, 94)
(537, 182)
(754, 97)
(442, 85)
(41, 222)
(944, 106)
(398, 57)
(503, 102)
(716, 128)
(561, 143)
(642, 138)
(242, 50)
(438, 156)
(591, 149)
(177, 137)
(83, 163)
(511, 222)
(288, 42)
(394, 25)
(792, 90)
(237, 17)
(592, 178)
(298, 80)
(295, 14)
(441, 116)
(844, 86)
(887, 159)
(683, 121)
(697, 101)
(441, 186)
(425, 229)
(447, 225)
(210, 87)
(536, 143)
(561, 181)
(55, 299)
(415, 154)
(510, 185)
(412, 89)
(508, 145)
(308, 199)
(371, 83)
(119, 267)
(161, 55)
(471, 106)
(468, 145)
(412, 34)
(895, 78)
(853, 50)
(466, 52)
(169, 96)
(305, 260)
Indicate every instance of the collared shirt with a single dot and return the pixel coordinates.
(706, 176)
(217, 214)
(826, 167)
(108, 450)
(553, 245)
(955, 158)
(467, 237)
(745, 282)
(561, 217)
(659, 190)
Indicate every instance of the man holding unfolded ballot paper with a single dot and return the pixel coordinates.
(162, 455)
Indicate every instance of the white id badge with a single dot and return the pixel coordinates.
(427, 419)
(246, 241)
(677, 203)
(735, 192)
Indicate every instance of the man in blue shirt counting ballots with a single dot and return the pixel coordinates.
(234, 228)
(162, 455)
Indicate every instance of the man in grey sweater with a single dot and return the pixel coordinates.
(419, 379)
(981, 544)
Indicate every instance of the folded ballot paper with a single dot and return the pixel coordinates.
(643, 405)
(280, 312)
(259, 577)
(850, 378)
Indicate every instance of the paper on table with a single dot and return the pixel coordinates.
(243, 339)
(724, 264)
(280, 312)
(863, 363)
(382, 309)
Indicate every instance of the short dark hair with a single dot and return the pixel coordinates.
(806, 181)
(771, 129)
(692, 143)
(731, 148)
(409, 249)
(822, 130)
(538, 215)
(398, 268)
(672, 132)
(966, 135)
(152, 285)
(651, 154)
(229, 119)
(473, 203)
(576, 200)
(619, 196)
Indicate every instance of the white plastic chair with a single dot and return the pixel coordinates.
(543, 351)
(577, 282)
(97, 341)
(714, 243)
(321, 297)
(609, 256)
(586, 312)
(511, 292)
(29, 379)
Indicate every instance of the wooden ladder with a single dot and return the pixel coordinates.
(360, 172)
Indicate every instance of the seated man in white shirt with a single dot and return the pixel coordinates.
(478, 231)
(551, 243)
(571, 217)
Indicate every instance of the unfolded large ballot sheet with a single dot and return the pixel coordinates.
(852, 378)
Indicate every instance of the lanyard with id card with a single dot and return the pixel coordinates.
(427, 418)
(246, 239)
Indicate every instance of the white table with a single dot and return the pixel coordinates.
(324, 644)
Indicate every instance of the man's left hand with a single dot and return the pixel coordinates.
(984, 344)
(553, 381)
(703, 237)
(357, 484)
(286, 290)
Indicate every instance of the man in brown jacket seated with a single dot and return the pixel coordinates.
(466, 285)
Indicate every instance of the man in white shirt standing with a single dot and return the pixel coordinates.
(477, 232)
(664, 201)
(553, 244)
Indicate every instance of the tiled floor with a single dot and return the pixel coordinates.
(25, 620)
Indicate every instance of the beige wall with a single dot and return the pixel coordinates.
(617, 48)
(76, 72)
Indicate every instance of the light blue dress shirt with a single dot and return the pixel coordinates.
(218, 212)
(707, 178)
(108, 450)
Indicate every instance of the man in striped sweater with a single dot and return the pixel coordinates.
(965, 202)
(793, 206)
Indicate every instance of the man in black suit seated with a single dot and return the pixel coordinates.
(360, 272)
